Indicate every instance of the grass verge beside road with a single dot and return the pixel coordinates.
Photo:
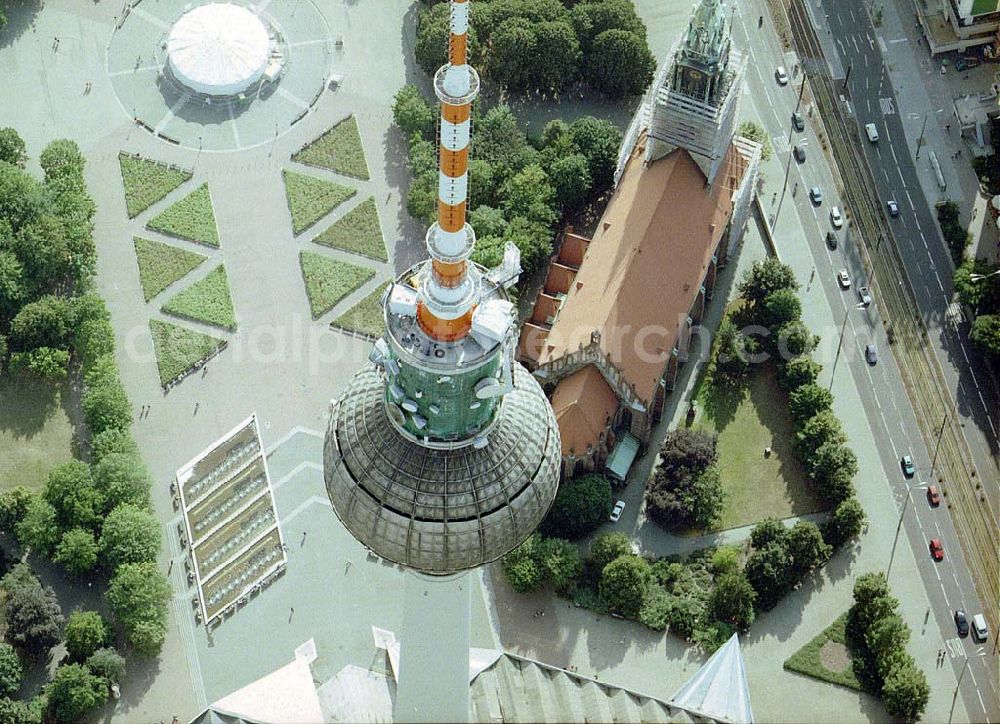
(827, 657)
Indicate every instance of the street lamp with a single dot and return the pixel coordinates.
(899, 525)
(980, 277)
(840, 343)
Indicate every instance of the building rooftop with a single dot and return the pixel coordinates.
(584, 402)
(641, 271)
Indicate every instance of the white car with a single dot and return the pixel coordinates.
(616, 512)
(781, 75)
(872, 132)
(866, 295)
(844, 279)
(835, 218)
(893, 209)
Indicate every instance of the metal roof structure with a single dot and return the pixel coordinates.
(441, 511)
(719, 689)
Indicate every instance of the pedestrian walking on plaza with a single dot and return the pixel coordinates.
(303, 542)
(196, 406)
(55, 43)
(86, 88)
(170, 567)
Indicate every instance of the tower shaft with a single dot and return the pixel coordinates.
(448, 295)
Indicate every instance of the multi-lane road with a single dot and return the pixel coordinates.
(872, 99)
(890, 416)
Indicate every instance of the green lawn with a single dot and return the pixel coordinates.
(206, 301)
(809, 659)
(311, 198)
(747, 421)
(147, 181)
(191, 218)
(981, 7)
(160, 265)
(35, 431)
(365, 317)
(358, 231)
(328, 280)
(178, 349)
(338, 149)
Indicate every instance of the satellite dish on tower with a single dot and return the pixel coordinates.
(488, 387)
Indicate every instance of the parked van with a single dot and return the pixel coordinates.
(979, 631)
(872, 132)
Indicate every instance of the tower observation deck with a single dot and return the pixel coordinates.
(443, 454)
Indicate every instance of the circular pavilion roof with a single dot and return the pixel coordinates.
(218, 49)
(441, 511)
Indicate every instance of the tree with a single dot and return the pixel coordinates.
(809, 400)
(732, 600)
(13, 711)
(412, 113)
(756, 132)
(129, 535)
(13, 506)
(593, 17)
(107, 664)
(115, 440)
(905, 692)
(38, 529)
(986, 334)
(709, 637)
(528, 193)
(624, 584)
(514, 46)
(77, 551)
(885, 637)
(46, 322)
(833, 467)
(44, 362)
(85, 633)
(794, 340)
(704, 498)
(106, 407)
(980, 294)
(123, 478)
(730, 357)
(138, 596)
(532, 239)
(22, 198)
(769, 572)
(581, 505)
(821, 429)
(570, 177)
(11, 670)
(726, 559)
(74, 692)
(686, 451)
(764, 278)
(598, 140)
(70, 490)
(778, 309)
(798, 371)
(61, 158)
(607, 547)
(12, 283)
(33, 619)
(562, 563)
(655, 611)
(12, 148)
(620, 63)
(498, 138)
(421, 199)
(482, 184)
(520, 566)
(806, 547)
(767, 531)
(846, 523)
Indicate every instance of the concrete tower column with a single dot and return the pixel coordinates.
(433, 676)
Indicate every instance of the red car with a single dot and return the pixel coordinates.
(937, 550)
(933, 497)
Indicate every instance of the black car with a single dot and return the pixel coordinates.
(961, 623)
(798, 122)
(831, 240)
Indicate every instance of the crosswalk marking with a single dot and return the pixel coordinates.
(888, 107)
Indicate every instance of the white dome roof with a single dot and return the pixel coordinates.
(218, 49)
